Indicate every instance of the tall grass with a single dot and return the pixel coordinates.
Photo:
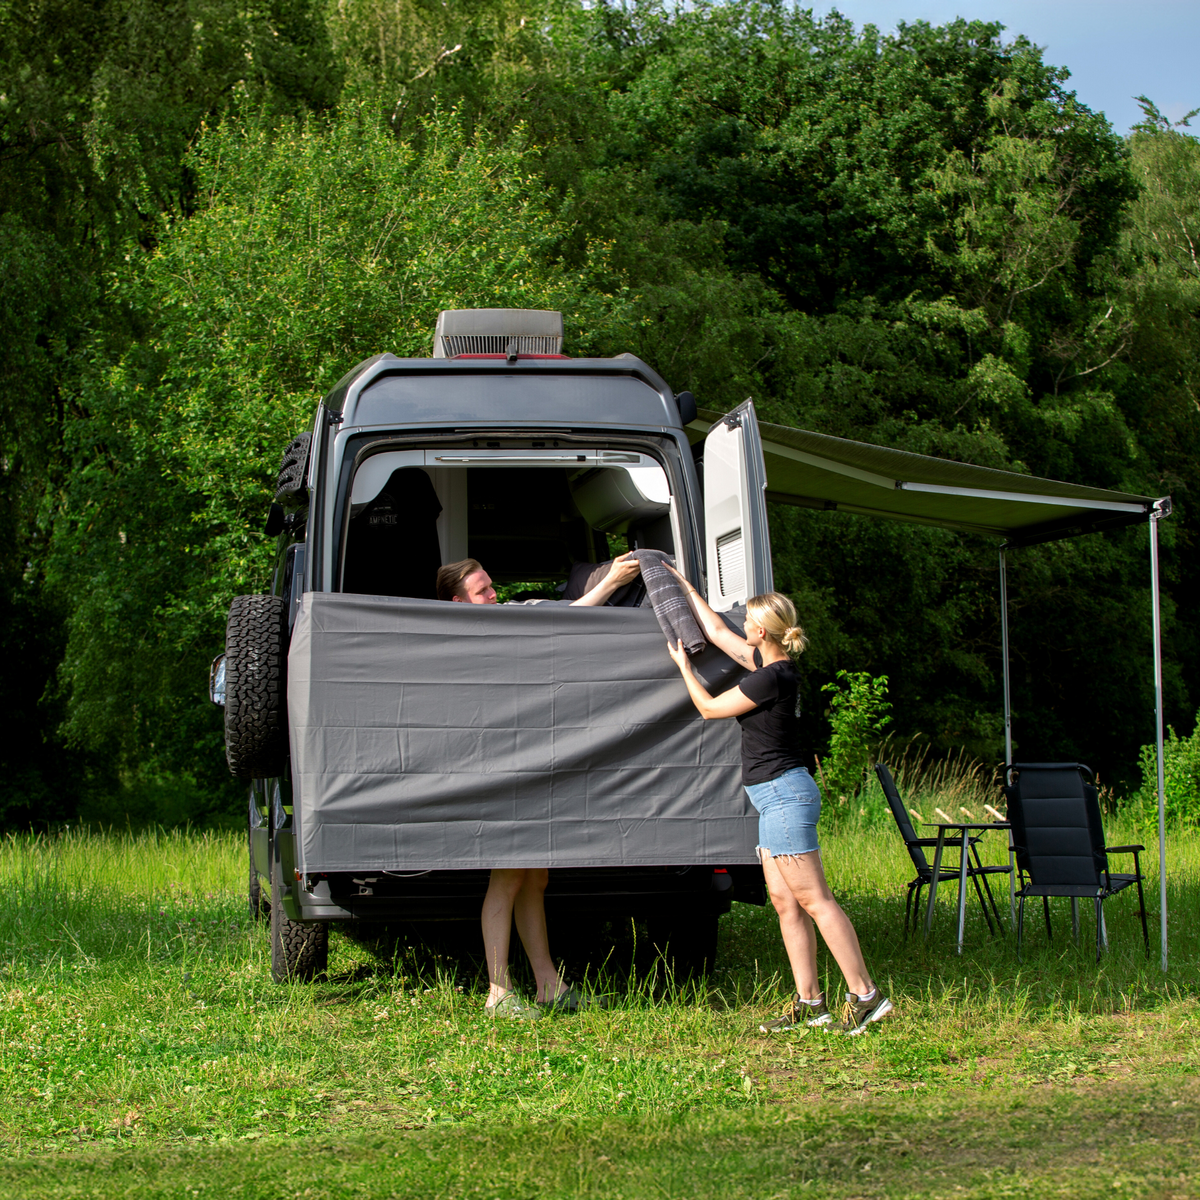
(135, 1004)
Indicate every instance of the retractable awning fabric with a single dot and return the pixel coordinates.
(814, 470)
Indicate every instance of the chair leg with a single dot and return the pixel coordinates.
(1142, 910)
(1099, 925)
(1020, 926)
(1075, 919)
(1046, 910)
(908, 898)
(987, 889)
(982, 905)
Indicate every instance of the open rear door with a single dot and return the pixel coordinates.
(737, 541)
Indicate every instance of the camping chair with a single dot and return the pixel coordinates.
(916, 851)
(1059, 843)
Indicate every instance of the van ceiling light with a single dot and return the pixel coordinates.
(497, 331)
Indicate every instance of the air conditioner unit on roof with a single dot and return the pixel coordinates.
(491, 330)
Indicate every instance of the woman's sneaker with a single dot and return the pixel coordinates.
(800, 1015)
(861, 1013)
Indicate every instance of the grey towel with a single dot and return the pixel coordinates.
(669, 601)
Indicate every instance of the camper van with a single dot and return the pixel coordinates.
(398, 747)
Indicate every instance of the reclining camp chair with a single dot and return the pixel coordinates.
(915, 845)
(1058, 838)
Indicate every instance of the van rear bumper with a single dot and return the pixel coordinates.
(458, 895)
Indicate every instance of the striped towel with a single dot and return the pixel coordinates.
(669, 601)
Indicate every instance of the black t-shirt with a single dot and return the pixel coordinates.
(770, 732)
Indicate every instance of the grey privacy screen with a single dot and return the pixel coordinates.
(429, 736)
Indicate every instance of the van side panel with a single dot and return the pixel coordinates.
(432, 736)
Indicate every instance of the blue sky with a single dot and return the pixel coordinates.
(1114, 51)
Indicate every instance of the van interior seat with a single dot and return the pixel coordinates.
(392, 544)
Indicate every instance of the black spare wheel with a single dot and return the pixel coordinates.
(299, 949)
(256, 687)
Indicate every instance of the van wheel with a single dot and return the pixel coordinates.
(260, 906)
(256, 687)
(299, 949)
(687, 943)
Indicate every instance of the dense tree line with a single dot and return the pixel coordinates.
(209, 211)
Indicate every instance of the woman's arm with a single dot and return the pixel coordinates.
(728, 704)
(714, 628)
(624, 569)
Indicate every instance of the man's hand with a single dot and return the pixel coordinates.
(624, 569)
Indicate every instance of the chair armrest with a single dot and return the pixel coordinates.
(1123, 849)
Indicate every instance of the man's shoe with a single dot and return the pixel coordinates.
(511, 1005)
(800, 1016)
(861, 1013)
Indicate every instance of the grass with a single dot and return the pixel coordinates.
(146, 1053)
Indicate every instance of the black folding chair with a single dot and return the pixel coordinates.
(916, 851)
(1058, 838)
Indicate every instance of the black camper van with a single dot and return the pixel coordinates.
(396, 747)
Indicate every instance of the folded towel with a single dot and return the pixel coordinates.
(669, 600)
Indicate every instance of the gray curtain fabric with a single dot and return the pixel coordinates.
(669, 601)
(428, 735)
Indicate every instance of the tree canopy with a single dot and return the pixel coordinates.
(921, 239)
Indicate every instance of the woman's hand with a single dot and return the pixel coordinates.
(679, 654)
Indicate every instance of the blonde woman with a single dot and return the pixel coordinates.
(788, 802)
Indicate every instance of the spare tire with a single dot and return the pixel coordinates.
(256, 738)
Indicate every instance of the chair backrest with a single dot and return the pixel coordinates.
(392, 545)
(1055, 817)
(907, 832)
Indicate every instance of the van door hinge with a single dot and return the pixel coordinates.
(336, 418)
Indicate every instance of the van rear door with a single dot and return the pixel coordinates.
(737, 540)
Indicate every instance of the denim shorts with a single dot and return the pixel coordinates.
(789, 807)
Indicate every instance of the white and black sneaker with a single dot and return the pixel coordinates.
(801, 1014)
(861, 1013)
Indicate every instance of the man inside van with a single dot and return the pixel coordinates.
(520, 892)
(468, 583)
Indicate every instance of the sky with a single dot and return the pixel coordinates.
(1114, 50)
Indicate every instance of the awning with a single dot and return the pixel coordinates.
(814, 470)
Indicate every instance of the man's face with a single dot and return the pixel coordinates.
(476, 589)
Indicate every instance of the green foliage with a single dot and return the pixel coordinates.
(1181, 780)
(919, 238)
(318, 245)
(859, 714)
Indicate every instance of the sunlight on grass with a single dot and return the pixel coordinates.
(136, 1008)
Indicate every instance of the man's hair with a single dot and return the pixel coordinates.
(450, 577)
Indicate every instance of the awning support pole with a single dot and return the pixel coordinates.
(1160, 510)
(1012, 874)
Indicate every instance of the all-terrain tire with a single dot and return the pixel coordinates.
(299, 949)
(293, 470)
(256, 687)
(260, 906)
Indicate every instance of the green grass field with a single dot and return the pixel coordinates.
(146, 1053)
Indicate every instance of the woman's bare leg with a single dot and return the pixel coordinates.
(799, 938)
(804, 877)
(530, 911)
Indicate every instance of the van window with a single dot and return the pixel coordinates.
(527, 515)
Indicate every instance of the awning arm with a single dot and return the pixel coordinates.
(1162, 508)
